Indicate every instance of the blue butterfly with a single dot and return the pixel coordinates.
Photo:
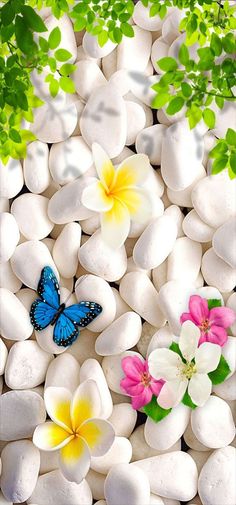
(48, 310)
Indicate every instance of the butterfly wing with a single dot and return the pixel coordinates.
(41, 314)
(48, 288)
(83, 313)
(65, 331)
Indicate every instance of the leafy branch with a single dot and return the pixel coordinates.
(224, 154)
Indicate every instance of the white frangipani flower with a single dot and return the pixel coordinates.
(191, 374)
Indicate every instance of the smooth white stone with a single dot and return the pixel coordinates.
(173, 300)
(52, 488)
(4, 204)
(175, 47)
(183, 198)
(104, 120)
(21, 462)
(143, 298)
(214, 199)
(48, 461)
(159, 275)
(217, 478)
(91, 369)
(96, 482)
(65, 250)
(217, 413)
(155, 243)
(123, 419)
(121, 80)
(119, 452)
(141, 87)
(147, 333)
(64, 163)
(21, 412)
(113, 371)
(63, 372)
(180, 144)
(210, 292)
(96, 289)
(157, 210)
(90, 225)
(163, 435)
(188, 253)
(126, 484)
(154, 183)
(134, 53)
(27, 297)
(159, 50)
(65, 205)
(82, 55)
(28, 261)
(218, 273)
(155, 500)
(225, 118)
(149, 141)
(15, 321)
(35, 165)
(3, 500)
(3, 356)
(11, 178)
(231, 303)
(109, 64)
(132, 267)
(93, 49)
(84, 347)
(27, 365)
(224, 242)
(170, 27)
(136, 120)
(141, 18)
(9, 235)
(229, 353)
(192, 441)
(35, 206)
(108, 263)
(67, 35)
(226, 390)
(121, 306)
(161, 338)
(120, 336)
(200, 457)
(196, 229)
(8, 279)
(175, 213)
(87, 77)
(172, 475)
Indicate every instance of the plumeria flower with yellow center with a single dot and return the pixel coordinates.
(75, 428)
(118, 195)
(187, 373)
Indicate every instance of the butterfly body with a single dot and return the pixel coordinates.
(48, 310)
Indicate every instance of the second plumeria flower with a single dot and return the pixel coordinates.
(75, 428)
(118, 195)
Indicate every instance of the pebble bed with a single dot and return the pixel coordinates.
(187, 247)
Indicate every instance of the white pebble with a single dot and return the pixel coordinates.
(3, 356)
(15, 322)
(217, 478)
(27, 365)
(87, 77)
(224, 242)
(65, 205)
(159, 50)
(149, 141)
(202, 420)
(35, 165)
(188, 253)
(96, 482)
(200, 457)
(8, 279)
(21, 460)
(141, 18)
(119, 452)
(126, 484)
(134, 53)
(10, 236)
(113, 371)
(63, 372)
(11, 178)
(226, 390)
(163, 435)
(65, 250)
(93, 49)
(183, 198)
(120, 336)
(143, 298)
(21, 412)
(123, 419)
(64, 163)
(161, 338)
(52, 488)
(136, 120)
(196, 229)
(109, 64)
(173, 300)
(84, 347)
(231, 303)
(218, 273)
(35, 206)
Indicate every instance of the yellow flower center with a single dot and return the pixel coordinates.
(145, 379)
(205, 325)
(188, 370)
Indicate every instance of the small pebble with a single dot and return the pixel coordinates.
(52, 488)
(30, 412)
(10, 236)
(120, 336)
(27, 365)
(217, 478)
(202, 421)
(126, 484)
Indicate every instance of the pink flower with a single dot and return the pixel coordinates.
(212, 323)
(138, 383)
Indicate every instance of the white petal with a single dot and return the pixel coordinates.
(164, 364)
(57, 403)
(172, 393)
(103, 164)
(74, 460)
(207, 357)
(134, 170)
(86, 403)
(50, 437)
(94, 198)
(188, 340)
(115, 225)
(98, 434)
(199, 389)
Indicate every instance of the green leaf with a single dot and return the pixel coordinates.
(220, 148)
(205, 54)
(67, 85)
(209, 118)
(52, 64)
(32, 19)
(67, 69)
(7, 13)
(231, 137)
(219, 102)
(14, 135)
(62, 55)
(154, 10)
(188, 401)
(167, 64)
(117, 34)
(175, 348)
(53, 87)
(27, 136)
(216, 44)
(154, 410)
(80, 23)
(22, 101)
(24, 36)
(102, 38)
(54, 38)
(43, 44)
(160, 100)
(127, 29)
(183, 54)
(175, 105)
(214, 302)
(186, 89)
(194, 116)
(232, 161)
(221, 372)
(219, 164)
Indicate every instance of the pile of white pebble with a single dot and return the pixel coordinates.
(187, 247)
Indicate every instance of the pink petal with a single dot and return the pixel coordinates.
(130, 387)
(203, 338)
(142, 399)
(222, 316)
(217, 335)
(186, 316)
(132, 367)
(198, 307)
(156, 386)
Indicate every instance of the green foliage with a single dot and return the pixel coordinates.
(224, 154)
(106, 20)
(154, 410)
(213, 302)
(188, 402)
(221, 372)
